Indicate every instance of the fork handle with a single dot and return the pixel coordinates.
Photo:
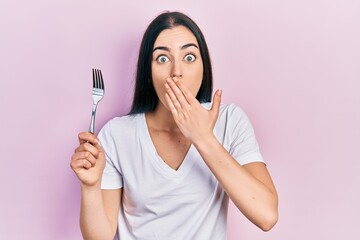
(92, 122)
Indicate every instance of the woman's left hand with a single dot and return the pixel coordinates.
(193, 120)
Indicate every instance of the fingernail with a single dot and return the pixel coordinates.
(219, 93)
(175, 79)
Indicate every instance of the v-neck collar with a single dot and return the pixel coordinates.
(160, 164)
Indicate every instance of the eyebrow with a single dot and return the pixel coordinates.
(182, 47)
(189, 45)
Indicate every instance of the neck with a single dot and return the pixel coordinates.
(161, 119)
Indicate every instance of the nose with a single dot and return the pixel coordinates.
(176, 70)
(178, 76)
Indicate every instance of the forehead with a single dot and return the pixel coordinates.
(176, 36)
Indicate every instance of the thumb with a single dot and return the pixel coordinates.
(216, 103)
(98, 146)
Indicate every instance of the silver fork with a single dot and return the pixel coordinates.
(97, 94)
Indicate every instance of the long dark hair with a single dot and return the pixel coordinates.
(145, 98)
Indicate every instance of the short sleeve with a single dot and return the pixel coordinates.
(112, 176)
(244, 147)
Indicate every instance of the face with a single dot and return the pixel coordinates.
(176, 53)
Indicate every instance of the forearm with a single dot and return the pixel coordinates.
(94, 222)
(251, 196)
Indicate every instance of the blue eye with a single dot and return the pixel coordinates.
(190, 58)
(162, 59)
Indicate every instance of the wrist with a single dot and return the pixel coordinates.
(90, 188)
(206, 142)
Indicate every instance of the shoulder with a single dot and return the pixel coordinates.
(228, 108)
(123, 124)
(233, 114)
(233, 118)
(231, 109)
(228, 111)
(127, 120)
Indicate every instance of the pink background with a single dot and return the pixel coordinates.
(293, 66)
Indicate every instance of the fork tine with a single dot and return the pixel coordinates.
(96, 78)
(98, 81)
(93, 73)
(101, 81)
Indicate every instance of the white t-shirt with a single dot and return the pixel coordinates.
(159, 202)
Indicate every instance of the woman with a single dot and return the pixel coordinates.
(167, 170)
